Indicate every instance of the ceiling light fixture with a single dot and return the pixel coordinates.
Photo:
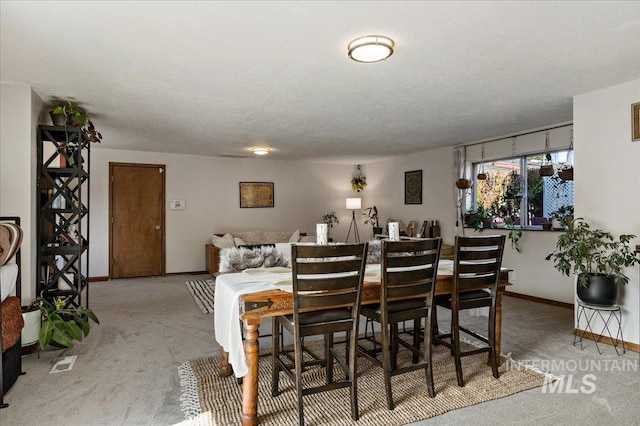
(372, 48)
(261, 151)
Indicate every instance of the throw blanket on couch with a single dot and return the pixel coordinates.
(239, 259)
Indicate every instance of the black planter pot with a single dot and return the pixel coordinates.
(600, 290)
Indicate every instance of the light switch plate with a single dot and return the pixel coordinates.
(177, 204)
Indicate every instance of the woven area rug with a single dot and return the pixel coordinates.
(203, 292)
(208, 399)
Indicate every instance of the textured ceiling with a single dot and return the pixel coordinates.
(215, 78)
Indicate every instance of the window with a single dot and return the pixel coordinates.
(514, 191)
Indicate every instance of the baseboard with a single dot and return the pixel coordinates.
(539, 300)
(187, 273)
(633, 347)
(94, 279)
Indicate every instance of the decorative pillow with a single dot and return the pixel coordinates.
(223, 242)
(10, 240)
(295, 237)
(239, 242)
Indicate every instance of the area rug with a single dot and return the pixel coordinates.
(208, 399)
(203, 292)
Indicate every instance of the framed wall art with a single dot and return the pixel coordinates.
(413, 187)
(635, 122)
(256, 194)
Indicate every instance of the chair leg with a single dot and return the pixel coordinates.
(455, 332)
(275, 366)
(347, 353)
(428, 356)
(298, 357)
(328, 356)
(386, 364)
(353, 372)
(492, 342)
(394, 346)
(416, 340)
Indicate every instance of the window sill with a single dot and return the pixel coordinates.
(522, 228)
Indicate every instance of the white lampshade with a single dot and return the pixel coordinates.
(373, 48)
(354, 203)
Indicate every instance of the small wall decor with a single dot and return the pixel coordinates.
(413, 187)
(256, 194)
(635, 122)
(358, 181)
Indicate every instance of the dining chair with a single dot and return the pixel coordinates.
(476, 265)
(327, 290)
(408, 273)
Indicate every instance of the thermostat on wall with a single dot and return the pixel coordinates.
(177, 204)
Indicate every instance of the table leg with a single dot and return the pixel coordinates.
(250, 381)
(498, 326)
(226, 369)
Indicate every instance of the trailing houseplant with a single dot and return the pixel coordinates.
(359, 181)
(61, 322)
(597, 258)
(74, 115)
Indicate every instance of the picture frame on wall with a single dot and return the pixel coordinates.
(635, 122)
(413, 187)
(256, 194)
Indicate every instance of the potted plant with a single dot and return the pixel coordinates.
(61, 323)
(546, 169)
(372, 219)
(479, 219)
(561, 217)
(330, 218)
(67, 112)
(597, 258)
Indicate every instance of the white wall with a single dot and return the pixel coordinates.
(607, 179)
(19, 114)
(532, 275)
(303, 193)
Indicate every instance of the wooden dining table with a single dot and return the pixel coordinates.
(255, 307)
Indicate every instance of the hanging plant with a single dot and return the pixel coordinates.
(359, 181)
(546, 169)
(513, 186)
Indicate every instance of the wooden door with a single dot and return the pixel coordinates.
(136, 231)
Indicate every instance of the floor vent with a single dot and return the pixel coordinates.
(63, 363)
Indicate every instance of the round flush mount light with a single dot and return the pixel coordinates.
(372, 48)
(261, 151)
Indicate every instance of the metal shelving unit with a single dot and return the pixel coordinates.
(63, 214)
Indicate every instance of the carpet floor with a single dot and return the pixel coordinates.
(208, 399)
(203, 292)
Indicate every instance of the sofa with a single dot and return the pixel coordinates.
(248, 239)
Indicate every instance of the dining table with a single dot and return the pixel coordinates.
(244, 299)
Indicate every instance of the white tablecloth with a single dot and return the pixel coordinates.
(226, 313)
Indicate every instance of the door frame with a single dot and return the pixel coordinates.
(163, 214)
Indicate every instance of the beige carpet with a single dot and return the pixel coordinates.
(210, 400)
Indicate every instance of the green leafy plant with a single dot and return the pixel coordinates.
(330, 218)
(514, 235)
(61, 323)
(478, 217)
(76, 116)
(563, 214)
(371, 214)
(587, 251)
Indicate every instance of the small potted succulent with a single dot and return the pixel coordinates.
(597, 258)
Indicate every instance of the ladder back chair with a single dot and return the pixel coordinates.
(409, 270)
(476, 265)
(327, 290)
